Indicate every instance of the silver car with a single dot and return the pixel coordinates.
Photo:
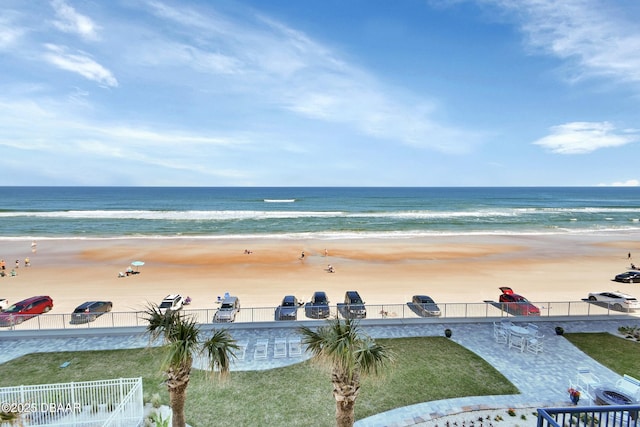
(616, 300)
(228, 310)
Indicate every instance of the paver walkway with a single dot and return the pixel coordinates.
(542, 378)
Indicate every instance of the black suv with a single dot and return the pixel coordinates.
(318, 307)
(353, 307)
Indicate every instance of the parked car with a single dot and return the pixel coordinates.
(318, 306)
(516, 304)
(4, 303)
(353, 306)
(229, 308)
(288, 309)
(173, 302)
(628, 277)
(90, 311)
(616, 300)
(25, 309)
(425, 306)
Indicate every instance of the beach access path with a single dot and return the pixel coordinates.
(542, 378)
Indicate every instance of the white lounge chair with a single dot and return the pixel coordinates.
(280, 348)
(295, 347)
(241, 351)
(260, 351)
(629, 385)
(586, 382)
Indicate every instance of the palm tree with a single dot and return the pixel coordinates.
(180, 337)
(350, 354)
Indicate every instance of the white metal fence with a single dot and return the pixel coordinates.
(113, 403)
(487, 309)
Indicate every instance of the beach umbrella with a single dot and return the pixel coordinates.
(137, 264)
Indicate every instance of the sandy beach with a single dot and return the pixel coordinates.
(384, 271)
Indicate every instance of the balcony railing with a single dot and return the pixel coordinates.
(593, 416)
(116, 403)
(487, 309)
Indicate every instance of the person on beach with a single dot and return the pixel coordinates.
(34, 245)
(17, 263)
(330, 269)
(3, 266)
(27, 262)
(629, 255)
(302, 255)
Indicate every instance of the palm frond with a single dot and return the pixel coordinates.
(220, 351)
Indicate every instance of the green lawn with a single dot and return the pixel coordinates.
(620, 355)
(425, 369)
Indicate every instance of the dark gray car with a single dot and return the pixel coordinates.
(318, 307)
(288, 309)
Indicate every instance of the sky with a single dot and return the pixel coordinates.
(320, 93)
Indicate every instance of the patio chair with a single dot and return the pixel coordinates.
(280, 348)
(500, 335)
(586, 381)
(260, 351)
(629, 385)
(534, 345)
(517, 341)
(506, 324)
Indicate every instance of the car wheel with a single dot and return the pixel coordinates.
(592, 298)
(92, 318)
(47, 309)
(617, 307)
(19, 320)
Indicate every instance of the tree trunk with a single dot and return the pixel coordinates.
(177, 398)
(345, 392)
(177, 383)
(345, 413)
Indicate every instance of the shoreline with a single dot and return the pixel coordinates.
(451, 269)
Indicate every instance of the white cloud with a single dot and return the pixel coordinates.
(79, 63)
(70, 21)
(284, 67)
(598, 38)
(585, 137)
(9, 34)
(628, 183)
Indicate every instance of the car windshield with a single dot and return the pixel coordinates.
(287, 303)
(427, 301)
(80, 310)
(226, 306)
(166, 304)
(14, 309)
(519, 298)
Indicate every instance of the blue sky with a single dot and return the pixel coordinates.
(320, 92)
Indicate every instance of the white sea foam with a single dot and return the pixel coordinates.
(350, 235)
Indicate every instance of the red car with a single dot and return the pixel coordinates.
(25, 309)
(516, 304)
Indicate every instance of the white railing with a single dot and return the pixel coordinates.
(115, 402)
(488, 309)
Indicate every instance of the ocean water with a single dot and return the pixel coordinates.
(315, 212)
